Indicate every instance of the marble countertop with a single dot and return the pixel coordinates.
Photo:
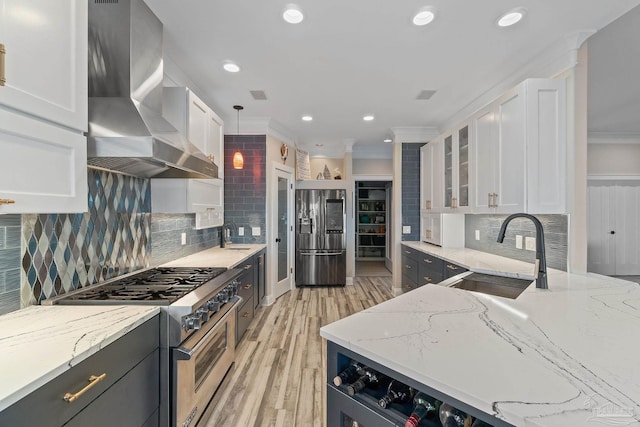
(218, 257)
(565, 356)
(38, 343)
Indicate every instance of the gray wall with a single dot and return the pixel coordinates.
(9, 263)
(555, 236)
(411, 190)
(166, 233)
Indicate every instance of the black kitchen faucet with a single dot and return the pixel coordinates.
(541, 261)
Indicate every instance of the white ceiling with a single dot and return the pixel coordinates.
(357, 57)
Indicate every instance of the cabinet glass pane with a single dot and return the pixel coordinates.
(463, 166)
(448, 170)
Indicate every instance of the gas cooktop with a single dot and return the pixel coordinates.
(159, 286)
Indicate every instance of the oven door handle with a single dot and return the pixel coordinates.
(181, 353)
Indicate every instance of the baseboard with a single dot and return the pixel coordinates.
(349, 281)
(268, 300)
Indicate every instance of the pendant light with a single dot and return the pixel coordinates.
(238, 158)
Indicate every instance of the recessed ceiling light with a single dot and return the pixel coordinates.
(368, 118)
(511, 18)
(424, 16)
(231, 67)
(292, 14)
(307, 118)
(387, 140)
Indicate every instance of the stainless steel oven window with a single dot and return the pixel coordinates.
(209, 355)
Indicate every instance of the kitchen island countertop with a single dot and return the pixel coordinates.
(564, 356)
(38, 343)
(218, 257)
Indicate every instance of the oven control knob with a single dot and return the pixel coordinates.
(203, 314)
(191, 322)
(213, 305)
(223, 297)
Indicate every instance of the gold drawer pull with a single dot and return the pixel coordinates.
(451, 267)
(427, 278)
(247, 286)
(3, 51)
(407, 252)
(407, 266)
(248, 267)
(211, 157)
(93, 380)
(245, 314)
(7, 202)
(428, 261)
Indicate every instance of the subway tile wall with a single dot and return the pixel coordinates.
(63, 252)
(411, 190)
(245, 189)
(9, 263)
(555, 237)
(166, 235)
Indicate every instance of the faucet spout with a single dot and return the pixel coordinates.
(541, 260)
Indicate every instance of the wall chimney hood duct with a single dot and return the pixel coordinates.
(127, 132)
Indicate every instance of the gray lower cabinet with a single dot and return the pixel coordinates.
(420, 268)
(128, 394)
(252, 290)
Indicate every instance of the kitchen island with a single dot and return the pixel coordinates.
(564, 356)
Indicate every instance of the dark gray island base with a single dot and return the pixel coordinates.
(363, 410)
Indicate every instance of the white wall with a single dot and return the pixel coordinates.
(608, 157)
(317, 166)
(372, 166)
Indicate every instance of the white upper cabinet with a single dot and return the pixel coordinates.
(204, 128)
(43, 165)
(519, 150)
(45, 59)
(457, 183)
(431, 176)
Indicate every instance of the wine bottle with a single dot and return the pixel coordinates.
(397, 392)
(354, 371)
(452, 417)
(424, 407)
(370, 378)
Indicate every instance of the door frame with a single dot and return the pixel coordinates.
(274, 289)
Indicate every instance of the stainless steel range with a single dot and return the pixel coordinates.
(198, 320)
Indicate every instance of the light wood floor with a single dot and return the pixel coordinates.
(278, 378)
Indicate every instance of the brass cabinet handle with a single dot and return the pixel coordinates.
(7, 202)
(211, 157)
(428, 261)
(489, 204)
(93, 380)
(427, 278)
(245, 314)
(495, 200)
(247, 286)
(427, 204)
(454, 202)
(407, 252)
(248, 267)
(3, 52)
(451, 267)
(408, 266)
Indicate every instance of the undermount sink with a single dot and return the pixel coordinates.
(236, 248)
(507, 287)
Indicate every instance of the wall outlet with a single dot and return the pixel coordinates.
(240, 231)
(183, 238)
(255, 231)
(530, 243)
(477, 234)
(406, 229)
(518, 241)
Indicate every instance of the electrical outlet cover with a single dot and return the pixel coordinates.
(477, 234)
(518, 241)
(406, 229)
(255, 231)
(240, 231)
(530, 243)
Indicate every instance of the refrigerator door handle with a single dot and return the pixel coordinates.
(320, 254)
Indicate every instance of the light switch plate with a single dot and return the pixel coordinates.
(240, 231)
(406, 229)
(477, 234)
(518, 241)
(530, 243)
(255, 231)
(183, 238)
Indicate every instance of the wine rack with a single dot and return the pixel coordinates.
(363, 410)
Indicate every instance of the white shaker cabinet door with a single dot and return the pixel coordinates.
(45, 44)
(485, 149)
(198, 122)
(42, 167)
(215, 141)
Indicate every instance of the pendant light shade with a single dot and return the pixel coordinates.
(238, 158)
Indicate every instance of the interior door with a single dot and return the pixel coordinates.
(282, 214)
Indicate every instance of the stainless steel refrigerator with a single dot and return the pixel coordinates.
(321, 256)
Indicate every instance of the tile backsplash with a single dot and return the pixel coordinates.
(411, 190)
(63, 252)
(166, 234)
(555, 236)
(9, 263)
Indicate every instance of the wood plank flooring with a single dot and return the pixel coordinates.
(278, 378)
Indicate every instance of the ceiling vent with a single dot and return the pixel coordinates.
(258, 95)
(425, 94)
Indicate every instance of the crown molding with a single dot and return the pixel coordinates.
(595, 137)
(264, 126)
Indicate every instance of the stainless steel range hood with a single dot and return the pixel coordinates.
(127, 132)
